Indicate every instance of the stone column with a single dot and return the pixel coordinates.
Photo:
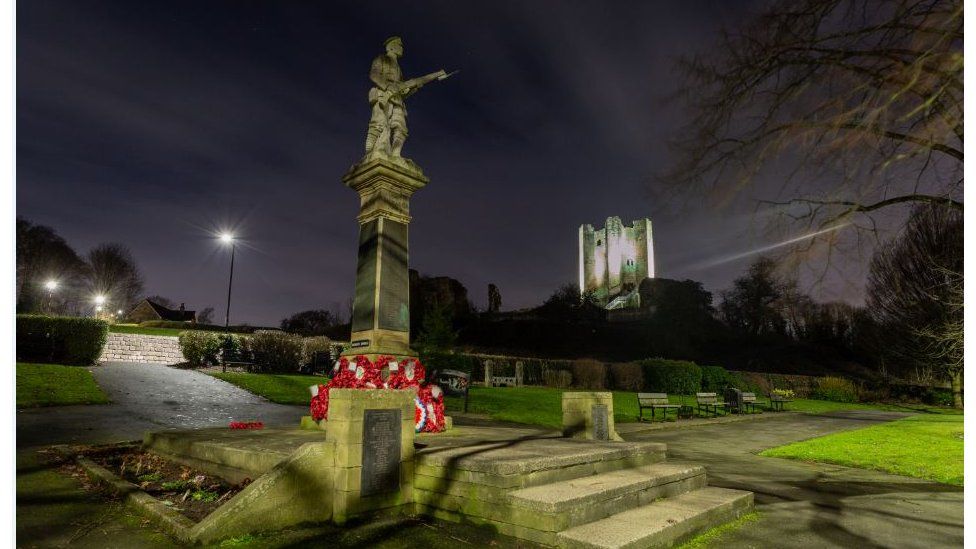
(381, 306)
(589, 416)
(489, 373)
(519, 373)
(373, 432)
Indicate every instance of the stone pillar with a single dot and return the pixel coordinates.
(488, 373)
(381, 306)
(589, 416)
(373, 432)
(519, 373)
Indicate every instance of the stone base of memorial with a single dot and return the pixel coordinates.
(373, 432)
(589, 416)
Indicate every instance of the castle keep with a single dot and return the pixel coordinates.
(614, 260)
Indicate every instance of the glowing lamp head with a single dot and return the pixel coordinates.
(119, 311)
(99, 300)
(51, 285)
(226, 238)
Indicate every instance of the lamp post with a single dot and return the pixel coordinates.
(99, 302)
(228, 238)
(51, 286)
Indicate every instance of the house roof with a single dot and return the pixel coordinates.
(166, 313)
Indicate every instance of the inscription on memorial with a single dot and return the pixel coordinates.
(381, 452)
(601, 423)
(394, 313)
(363, 307)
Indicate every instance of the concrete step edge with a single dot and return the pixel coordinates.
(662, 523)
(567, 494)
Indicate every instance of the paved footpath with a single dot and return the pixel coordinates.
(149, 397)
(817, 505)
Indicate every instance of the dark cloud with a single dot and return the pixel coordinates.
(156, 123)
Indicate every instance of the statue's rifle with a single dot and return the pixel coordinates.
(409, 87)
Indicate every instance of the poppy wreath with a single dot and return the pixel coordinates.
(246, 425)
(429, 402)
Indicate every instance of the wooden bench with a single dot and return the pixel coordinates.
(233, 357)
(777, 403)
(710, 403)
(749, 402)
(655, 401)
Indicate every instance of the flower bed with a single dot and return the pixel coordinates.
(190, 492)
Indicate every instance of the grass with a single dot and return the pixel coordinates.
(713, 537)
(929, 447)
(543, 405)
(133, 329)
(56, 385)
(280, 388)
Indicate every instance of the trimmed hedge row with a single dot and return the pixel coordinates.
(270, 351)
(679, 377)
(60, 339)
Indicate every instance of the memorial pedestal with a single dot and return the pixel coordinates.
(381, 306)
(589, 416)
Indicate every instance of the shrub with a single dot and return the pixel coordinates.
(560, 379)
(835, 389)
(626, 376)
(60, 339)
(589, 374)
(783, 393)
(715, 379)
(277, 352)
(201, 348)
(671, 376)
(317, 344)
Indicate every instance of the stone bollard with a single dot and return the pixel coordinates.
(589, 416)
(519, 373)
(488, 373)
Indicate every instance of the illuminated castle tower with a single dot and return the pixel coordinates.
(614, 260)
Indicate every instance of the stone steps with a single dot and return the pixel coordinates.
(662, 523)
(561, 505)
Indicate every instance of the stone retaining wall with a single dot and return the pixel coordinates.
(142, 348)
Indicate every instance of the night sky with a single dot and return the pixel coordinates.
(156, 124)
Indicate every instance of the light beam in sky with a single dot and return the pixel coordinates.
(764, 249)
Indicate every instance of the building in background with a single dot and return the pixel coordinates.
(150, 310)
(614, 260)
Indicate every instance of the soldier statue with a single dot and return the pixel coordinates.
(388, 122)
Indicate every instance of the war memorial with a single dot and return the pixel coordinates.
(377, 443)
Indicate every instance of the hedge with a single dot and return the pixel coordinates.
(671, 376)
(716, 379)
(60, 339)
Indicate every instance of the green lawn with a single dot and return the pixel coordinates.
(56, 385)
(928, 446)
(134, 329)
(280, 388)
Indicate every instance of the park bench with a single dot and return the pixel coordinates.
(777, 403)
(234, 358)
(710, 403)
(655, 401)
(749, 402)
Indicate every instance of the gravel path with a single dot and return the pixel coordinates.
(149, 397)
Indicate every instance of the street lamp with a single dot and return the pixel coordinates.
(228, 238)
(51, 286)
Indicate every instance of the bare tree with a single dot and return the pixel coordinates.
(205, 316)
(915, 293)
(851, 106)
(113, 273)
(43, 257)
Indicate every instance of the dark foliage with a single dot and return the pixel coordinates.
(60, 340)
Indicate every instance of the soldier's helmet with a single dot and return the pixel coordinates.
(393, 39)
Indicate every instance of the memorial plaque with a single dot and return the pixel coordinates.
(381, 452)
(395, 288)
(601, 423)
(363, 307)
